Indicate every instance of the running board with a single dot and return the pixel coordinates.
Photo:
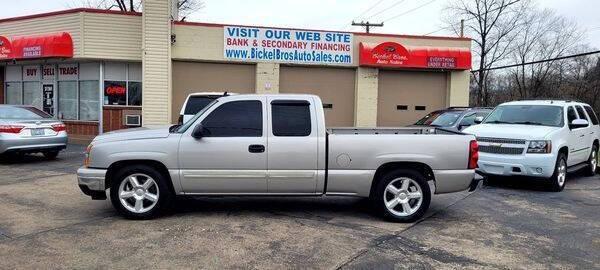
(577, 167)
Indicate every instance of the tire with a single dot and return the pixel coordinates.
(407, 183)
(50, 154)
(140, 199)
(559, 177)
(592, 162)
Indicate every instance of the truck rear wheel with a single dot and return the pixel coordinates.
(139, 192)
(402, 196)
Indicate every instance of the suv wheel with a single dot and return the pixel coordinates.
(592, 162)
(559, 178)
(139, 192)
(402, 196)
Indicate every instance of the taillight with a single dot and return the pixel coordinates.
(14, 129)
(473, 154)
(59, 127)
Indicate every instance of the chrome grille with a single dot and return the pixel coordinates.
(501, 150)
(500, 140)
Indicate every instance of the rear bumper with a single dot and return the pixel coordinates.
(92, 182)
(33, 144)
(447, 181)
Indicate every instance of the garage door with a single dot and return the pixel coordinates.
(335, 86)
(405, 96)
(190, 77)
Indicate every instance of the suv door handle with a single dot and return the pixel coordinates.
(582, 135)
(256, 148)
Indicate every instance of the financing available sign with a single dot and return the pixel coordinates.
(287, 46)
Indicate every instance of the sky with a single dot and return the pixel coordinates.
(416, 17)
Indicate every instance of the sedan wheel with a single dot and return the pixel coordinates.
(138, 193)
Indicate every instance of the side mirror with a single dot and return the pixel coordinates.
(478, 120)
(578, 123)
(198, 131)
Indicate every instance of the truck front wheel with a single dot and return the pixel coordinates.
(139, 192)
(402, 196)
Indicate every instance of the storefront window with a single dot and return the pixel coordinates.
(88, 100)
(32, 94)
(14, 95)
(134, 93)
(67, 100)
(115, 93)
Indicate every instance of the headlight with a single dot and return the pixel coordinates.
(86, 160)
(539, 147)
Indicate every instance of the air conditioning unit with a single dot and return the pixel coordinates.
(133, 120)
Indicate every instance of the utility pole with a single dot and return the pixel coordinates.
(462, 28)
(367, 25)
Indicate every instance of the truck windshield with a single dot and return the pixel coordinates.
(541, 115)
(439, 119)
(189, 123)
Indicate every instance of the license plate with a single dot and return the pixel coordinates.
(37, 132)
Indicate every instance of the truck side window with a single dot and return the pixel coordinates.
(581, 113)
(291, 118)
(235, 119)
(592, 115)
(571, 114)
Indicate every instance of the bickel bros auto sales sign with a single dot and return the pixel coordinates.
(287, 46)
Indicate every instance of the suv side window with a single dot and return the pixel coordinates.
(291, 118)
(235, 119)
(592, 115)
(571, 114)
(581, 113)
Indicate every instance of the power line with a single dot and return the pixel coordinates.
(386, 9)
(538, 61)
(409, 11)
(345, 26)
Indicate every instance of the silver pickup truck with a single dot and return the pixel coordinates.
(276, 145)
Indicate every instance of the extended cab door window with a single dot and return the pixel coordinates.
(293, 147)
(235, 119)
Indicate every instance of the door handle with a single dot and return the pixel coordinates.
(582, 135)
(256, 148)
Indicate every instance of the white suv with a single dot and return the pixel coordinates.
(538, 138)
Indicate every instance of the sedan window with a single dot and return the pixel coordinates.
(22, 113)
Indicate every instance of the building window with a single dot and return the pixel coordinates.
(14, 95)
(32, 94)
(122, 84)
(88, 100)
(115, 93)
(67, 100)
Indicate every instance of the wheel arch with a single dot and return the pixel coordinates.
(118, 165)
(385, 168)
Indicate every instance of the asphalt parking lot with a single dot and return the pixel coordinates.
(46, 222)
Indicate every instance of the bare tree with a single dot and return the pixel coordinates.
(185, 7)
(493, 25)
(544, 35)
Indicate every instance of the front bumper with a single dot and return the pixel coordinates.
(534, 165)
(92, 182)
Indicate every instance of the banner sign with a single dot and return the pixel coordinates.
(287, 46)
(394, 55)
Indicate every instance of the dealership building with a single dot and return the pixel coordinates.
(100, 70)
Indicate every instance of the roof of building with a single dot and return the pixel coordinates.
(103, 11)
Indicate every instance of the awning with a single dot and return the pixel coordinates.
(392, 54)
(58, 45)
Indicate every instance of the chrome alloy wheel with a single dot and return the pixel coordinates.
(138, 193)
(403, 196)
(594, 160)
(562, 172)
